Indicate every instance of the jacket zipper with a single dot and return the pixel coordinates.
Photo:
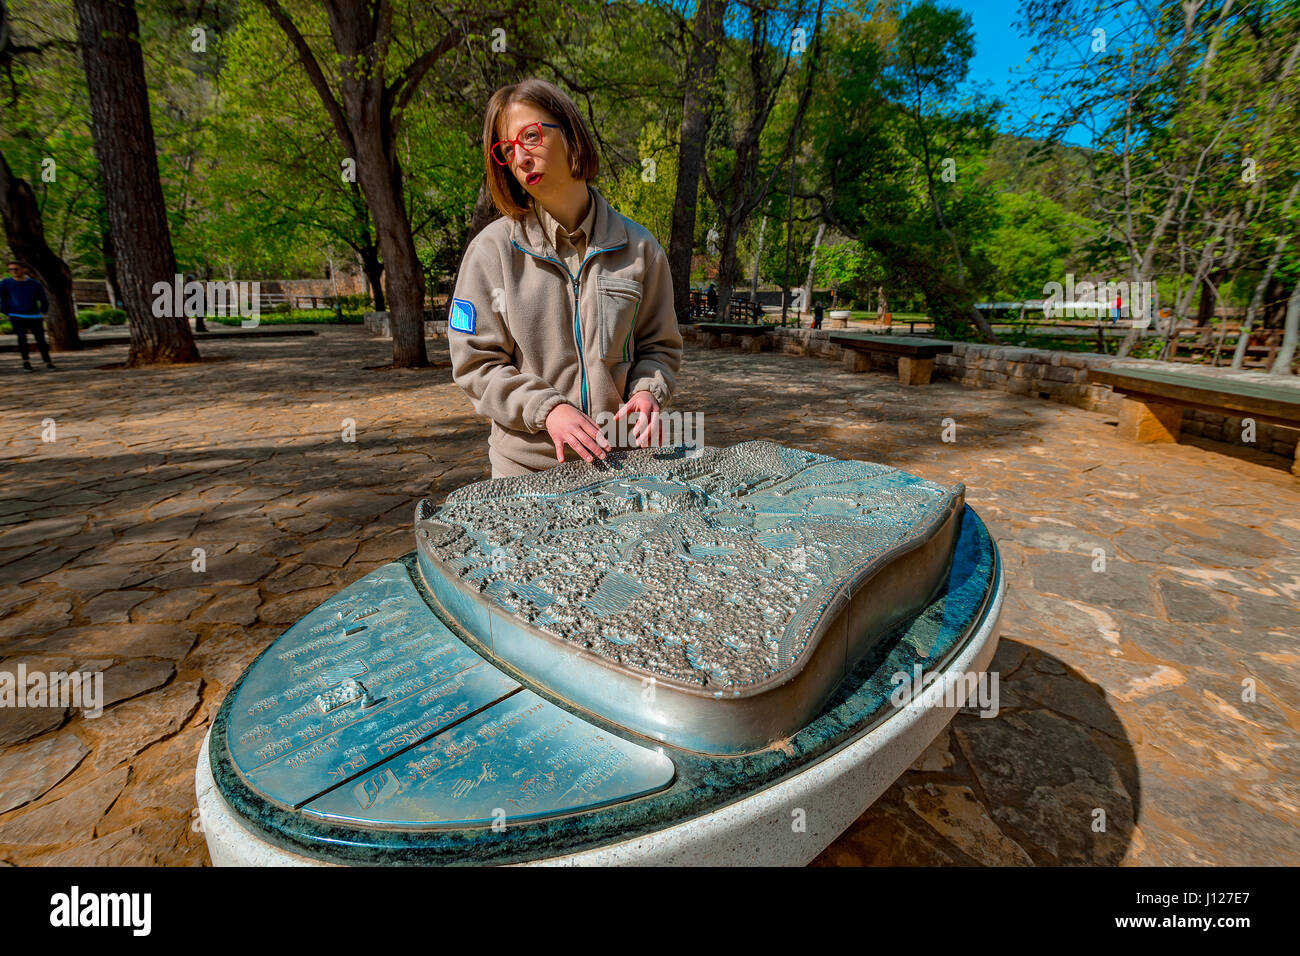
(577, 321)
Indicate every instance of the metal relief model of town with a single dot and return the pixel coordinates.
(709, 570)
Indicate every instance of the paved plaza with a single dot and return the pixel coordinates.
(1149, 697)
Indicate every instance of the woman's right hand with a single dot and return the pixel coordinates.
(567, 425)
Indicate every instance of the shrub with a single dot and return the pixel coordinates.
(299, 316)
(355, 303)
(88, 317)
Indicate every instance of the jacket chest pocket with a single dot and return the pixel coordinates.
(619, 302)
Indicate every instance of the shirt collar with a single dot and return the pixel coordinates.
(552, 229)
(608, 229)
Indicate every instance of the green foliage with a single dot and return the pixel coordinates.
(1193, 114)
(88, 317)
(850, 267)
(1030, 245)
(293, 317)
(644, 190)
(354, 303)
(920, 193)
(905, 159)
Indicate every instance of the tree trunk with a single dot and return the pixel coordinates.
(727, 269)
(25, 233)
(694, 130)
(1205, 305)
(367, 115)
(758, 255)
(1282, 362)
(1257, 298)
(380, 178)
(1205, 309)
(200, 324)
(374, 270)
(484, 212)
(1274, 304)
(812, 268)
(109, 36)
(111, 285)
(789, 228)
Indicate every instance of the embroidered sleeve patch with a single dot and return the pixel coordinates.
(462, 316)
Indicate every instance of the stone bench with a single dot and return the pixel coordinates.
(1153, 401)
(753, 338)
(915, 354)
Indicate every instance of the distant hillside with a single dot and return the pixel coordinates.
(1052, 170)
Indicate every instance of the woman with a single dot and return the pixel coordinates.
(563, 309)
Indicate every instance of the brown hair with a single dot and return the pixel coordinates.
(508, 196)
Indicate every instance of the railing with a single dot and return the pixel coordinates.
(739, 311)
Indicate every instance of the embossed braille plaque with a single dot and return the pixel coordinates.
(712, 601)
(368, 684)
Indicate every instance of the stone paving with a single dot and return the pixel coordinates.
(1125, 690)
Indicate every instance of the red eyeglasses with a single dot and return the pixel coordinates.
(529, 138)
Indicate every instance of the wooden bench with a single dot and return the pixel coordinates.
(753, 338)
(915, 354)
(1152, 406)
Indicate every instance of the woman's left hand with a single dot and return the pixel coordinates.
(648, 424)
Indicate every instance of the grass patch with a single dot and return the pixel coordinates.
(295, 317)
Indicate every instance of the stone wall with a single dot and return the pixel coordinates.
(1038, 373)
(377, 323)
(347, 283)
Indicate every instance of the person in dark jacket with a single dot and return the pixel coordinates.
(23, 299)
(817, 316)
(712, 297)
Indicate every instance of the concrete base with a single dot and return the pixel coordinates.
(787, 824)
(1144, 421)
(230, 843)
(752, 343)
(915, 371)
(855, 361)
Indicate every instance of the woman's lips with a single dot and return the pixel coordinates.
(533, 179)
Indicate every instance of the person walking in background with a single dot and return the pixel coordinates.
(712, 297)
(23, 299)
(817, 316)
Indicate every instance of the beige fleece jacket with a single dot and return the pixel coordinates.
(572, 247)
(527, 333)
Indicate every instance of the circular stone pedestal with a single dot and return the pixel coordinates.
(781, 806)
(762, 829)
(718, 656)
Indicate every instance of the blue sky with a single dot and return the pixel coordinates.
(999, 47)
